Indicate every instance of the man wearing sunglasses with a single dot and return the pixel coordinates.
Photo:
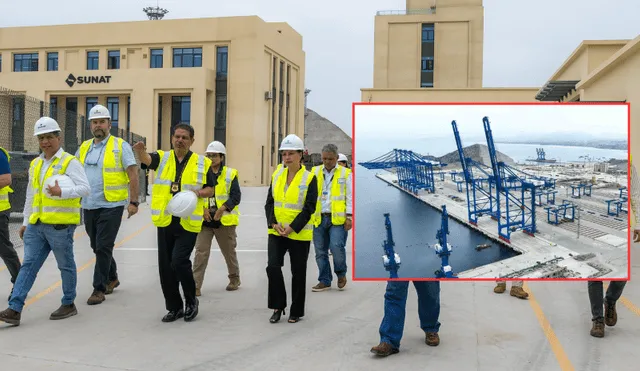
(112, 171)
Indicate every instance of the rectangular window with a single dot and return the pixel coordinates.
(156, 58)
(274, 145)
(180, 110)
(113, 59)
(187, 57)
(113, 105)
(27, 62)
(128, 115)
(288, 87)
(53, 108)
(52, 61)
(427, 64)
(17, 131)
(93, 58)
(281, 106)
(90, 102)
(427, 33)
(222, 61)
(222, 69)
(0, 62)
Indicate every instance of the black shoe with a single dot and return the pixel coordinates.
(275, 317)
(173, 315)
(191, 312)
(294, 319)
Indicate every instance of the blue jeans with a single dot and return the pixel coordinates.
(39, 240)
(395, 301)
(328, 236)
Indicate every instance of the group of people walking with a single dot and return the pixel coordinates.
(302, 205)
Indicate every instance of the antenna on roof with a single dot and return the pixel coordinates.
(155, 13)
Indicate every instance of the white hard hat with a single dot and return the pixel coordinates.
(342, 158)
(99, 112)
(45, 125)
(182, 204)
(291, 143)
(216, 147)
(64, 182)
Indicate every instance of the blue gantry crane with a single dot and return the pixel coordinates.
(390, 259)
(480, 196)
(443, 248)
(518, 194)
(414, 172)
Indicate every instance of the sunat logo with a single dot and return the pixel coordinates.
(72, 80)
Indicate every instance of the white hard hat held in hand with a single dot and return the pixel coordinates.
(183, 204)
(64, 182)
(216, 147)
(291, 143)
(99, 112)
(45, 125)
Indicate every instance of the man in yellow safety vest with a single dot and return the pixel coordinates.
(177, 170)
(112, 171)
(7, 251)
(51, 215)
(332, 218)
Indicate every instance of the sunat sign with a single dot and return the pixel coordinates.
(72, 80)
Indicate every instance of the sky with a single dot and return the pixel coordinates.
(393, 122)
(524, 42)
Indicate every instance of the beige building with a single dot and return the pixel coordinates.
(239, 80)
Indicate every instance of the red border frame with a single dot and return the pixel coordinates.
(354, 163)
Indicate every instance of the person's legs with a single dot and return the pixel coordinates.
(168, 278)
(7, 251)
(429, 309)
(321, 241)
(596, 300)
(105, 225)
(392, 326)
(299, 256)
(336, 245)
(277, 293)
(517, 290)
(185, 242)
(227, 240)
(61, 242)
(614, 291)
(201, 258)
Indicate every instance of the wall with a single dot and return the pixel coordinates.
(450, 95)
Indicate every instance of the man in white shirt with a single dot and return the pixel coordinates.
(51, 214)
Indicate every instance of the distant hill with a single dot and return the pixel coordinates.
(320, 131)
(477, 152)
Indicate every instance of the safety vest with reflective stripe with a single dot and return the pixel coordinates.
(4, 191)
(194, 176)
(288, 204)
(48, 210)
(338, 194)
(114, 175)
(222, 195)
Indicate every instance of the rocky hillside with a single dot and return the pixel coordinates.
(478, 152)
(320, 131)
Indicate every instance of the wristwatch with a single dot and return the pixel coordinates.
(134, 203)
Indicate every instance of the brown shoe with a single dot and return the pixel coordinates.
(320, 287)
(500, 288)
(342, 282)
(198, 293)
(384, 349)
(10, 316)
(234, 283)
(432, 339)
(112, 285)
(597, 330)
(96, 297)
(65, 311)
(610, 314)
(519, 292)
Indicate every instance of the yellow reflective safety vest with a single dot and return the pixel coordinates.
(45, 209)
(4, 192)
(194, 176)
(288, 204)
(114, 175)
(222, 195)
(337, 192)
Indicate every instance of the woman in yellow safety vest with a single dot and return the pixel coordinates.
(291, 202)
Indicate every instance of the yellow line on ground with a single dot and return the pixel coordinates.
(85, 266)
(556, 347)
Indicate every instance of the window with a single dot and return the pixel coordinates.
(180, 110)
(92, 60)
(187, 57)
(128, 114)
(113, 105)
(52, 61)
(53, 108)
(17, 131)
(286, 121)
(0, 62)
(426, 85)
(156, 58)
(427, 33)
(25, 62)
(113, 59)
(427, 64)
(90, 102)
(222, 61)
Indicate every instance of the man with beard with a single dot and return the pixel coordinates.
(112, 172)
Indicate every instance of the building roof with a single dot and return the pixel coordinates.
(620, 56)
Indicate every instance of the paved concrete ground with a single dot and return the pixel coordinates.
(480, 330)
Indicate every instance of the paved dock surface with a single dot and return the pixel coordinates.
(480, 330)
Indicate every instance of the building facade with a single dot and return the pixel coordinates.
(239, 80)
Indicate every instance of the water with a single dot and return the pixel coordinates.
(414, 223)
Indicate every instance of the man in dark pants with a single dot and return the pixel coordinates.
(610, 317)
(7, 251)
(112, 172)
(175, 171)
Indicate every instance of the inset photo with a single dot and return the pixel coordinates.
(491, 191)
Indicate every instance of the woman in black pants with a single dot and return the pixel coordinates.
(291, 202)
